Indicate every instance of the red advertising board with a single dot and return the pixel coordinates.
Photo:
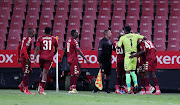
(166, 59)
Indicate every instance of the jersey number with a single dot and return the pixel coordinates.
(149, 45)
(47, 44)
(119, 51)
(131, 42)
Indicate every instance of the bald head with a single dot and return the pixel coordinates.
(107, 34)
(31, 32)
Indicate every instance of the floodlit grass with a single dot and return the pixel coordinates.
(15, 97)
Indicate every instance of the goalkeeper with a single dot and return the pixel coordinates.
(129, 40)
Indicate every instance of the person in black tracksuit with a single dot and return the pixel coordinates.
(104, 57)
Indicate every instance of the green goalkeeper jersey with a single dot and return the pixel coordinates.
(130, 42)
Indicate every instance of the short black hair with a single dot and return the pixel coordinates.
(105, 32)
(47, 30)
(73, 32)
(30, 30)
(127, 28)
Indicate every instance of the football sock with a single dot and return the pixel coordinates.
(106, 83)
(142, 82)
(157, 88)
(128, 81)
(117, 87)
(71, 80)
(75, 80)
(43, 83)
(40, 78)
(155, 81)
(26, 80)
(134, 77)
(147, 84)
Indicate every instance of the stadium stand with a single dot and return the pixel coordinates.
(154, 19)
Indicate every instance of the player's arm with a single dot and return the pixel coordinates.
(18, 52)
(119, 44)
(139, 53)
(81, 53)
(36, 50)
(114, 47)
(100, 52)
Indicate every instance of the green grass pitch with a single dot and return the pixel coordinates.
(15, 97)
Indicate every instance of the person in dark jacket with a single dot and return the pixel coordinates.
(104, 57)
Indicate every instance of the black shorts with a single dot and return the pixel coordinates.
(106, 68)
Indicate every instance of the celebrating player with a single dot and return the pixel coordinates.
(72, 47)
(120, 79)
(129, 41)
(46, 45)
(150, 64)
(24, 51)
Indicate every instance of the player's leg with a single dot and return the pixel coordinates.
(27, 71)
(46, 66)
(74, 71)
(117, 79)
(155, 80)
(133, 73)
(127, 68)
(21, 85)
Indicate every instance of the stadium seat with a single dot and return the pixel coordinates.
(62, 12)
(160, 19)
(98, 39)
(2, 45)
(173, 45)
(33, 12)
(162, 3)
(116, 25)
(148, 4)
(12, 45)
(105, 4)
(87, 33)
(102, 24)
(86, 44)
(132, 22)
(2, 35)
(120, 4)
(48, 11)
(146, 30)
(105, 12)
(59, 21)
(76, 12)
(91, 4)
(45, 21)
(77, 4)
(91, 12)
(48, 3)
(41, 32)
(133, 12)
(3, 22)
(31, 22)
(63, 4)
(133, 3)
(33, 2)
(159, 45)
(6, 3)
(5, 13)
(19, 12)
(16, 22)
(148, 12)
(14, 35)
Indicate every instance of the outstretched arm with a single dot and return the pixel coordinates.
(80, 52)
(137, 54)
(36, 51)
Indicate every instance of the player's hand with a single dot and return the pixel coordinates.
(18, 61)
(28, 61)
(132, 56)
(35, 61)
(87, 61)
(100, 64)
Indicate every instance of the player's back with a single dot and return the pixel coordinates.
(72, 46)
(46, 44)
(150, 50)
(27, 43)
(130, 42)
(119, 52)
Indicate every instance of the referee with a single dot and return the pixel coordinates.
(104, 57)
